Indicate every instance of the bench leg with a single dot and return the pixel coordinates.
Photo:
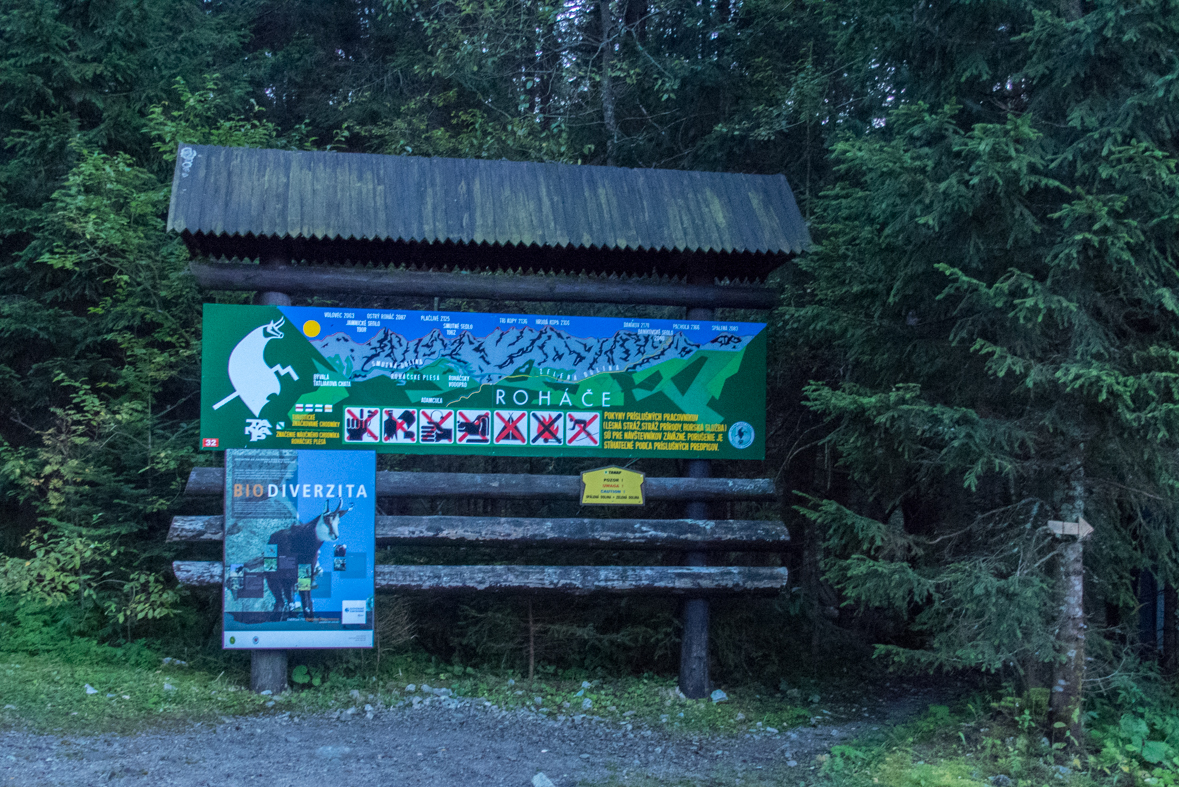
(694, 679)
(268, 671)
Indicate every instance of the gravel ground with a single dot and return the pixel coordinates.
(439, 741)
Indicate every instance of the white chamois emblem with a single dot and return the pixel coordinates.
(253, 381)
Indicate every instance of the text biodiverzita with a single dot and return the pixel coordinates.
(300, 490)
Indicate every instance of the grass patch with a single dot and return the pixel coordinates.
(134, 689)
(48, 694)
(721, 779)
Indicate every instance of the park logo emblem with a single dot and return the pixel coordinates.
(510, 427)
(362, 425)
(399, 425)
(437, 426)
(741, 435)
(474, 427)
(546, 428)
(583, 429)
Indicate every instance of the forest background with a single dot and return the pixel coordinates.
(983, 338)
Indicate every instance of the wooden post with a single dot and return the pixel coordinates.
(268, 668)
(268, 671)
(694, 682)
(270, 298)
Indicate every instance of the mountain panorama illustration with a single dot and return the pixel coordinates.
(506, 352)
(312, 377)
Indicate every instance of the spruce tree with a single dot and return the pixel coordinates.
(997, 277)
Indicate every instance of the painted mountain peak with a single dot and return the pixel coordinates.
(503, 352)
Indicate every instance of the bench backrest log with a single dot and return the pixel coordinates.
(724, 535)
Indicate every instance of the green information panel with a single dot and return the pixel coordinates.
(495, 384)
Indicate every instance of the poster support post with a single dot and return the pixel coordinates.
(268, 668)
(694, 679)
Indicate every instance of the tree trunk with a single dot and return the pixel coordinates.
(1170, 632)
(1069, 674)
(547, 75)
(1148, 622)
(635, 19)
(608, 82)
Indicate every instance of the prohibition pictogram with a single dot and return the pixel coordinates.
(474, 426)
(586, 428)
(358, 425)
(546, 428)
(434, 429)
(400, 426)
(508, 430)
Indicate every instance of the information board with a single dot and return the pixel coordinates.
(299, 549)
(495, 384)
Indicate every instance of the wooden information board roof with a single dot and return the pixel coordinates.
(241, 202)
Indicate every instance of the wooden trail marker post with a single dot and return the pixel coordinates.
(450, 228)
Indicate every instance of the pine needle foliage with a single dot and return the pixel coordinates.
(997, 277)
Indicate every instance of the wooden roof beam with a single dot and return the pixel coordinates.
(297, 280)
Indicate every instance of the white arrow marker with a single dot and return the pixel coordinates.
(1079, 529)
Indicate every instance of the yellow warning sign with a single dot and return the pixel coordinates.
(611, 486)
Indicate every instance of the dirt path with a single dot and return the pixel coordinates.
(442, 741)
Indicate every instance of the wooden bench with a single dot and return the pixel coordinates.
(691, 535)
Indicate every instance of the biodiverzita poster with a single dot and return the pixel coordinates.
(299, 549)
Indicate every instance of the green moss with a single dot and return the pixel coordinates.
(899, 770)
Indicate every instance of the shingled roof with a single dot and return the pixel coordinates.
(232, 201)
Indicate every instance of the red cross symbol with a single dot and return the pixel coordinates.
(510, 428)
(582, 426)
(476, 432)
(546, 428)
(435, 427)
(363, 421)
(399, 427)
